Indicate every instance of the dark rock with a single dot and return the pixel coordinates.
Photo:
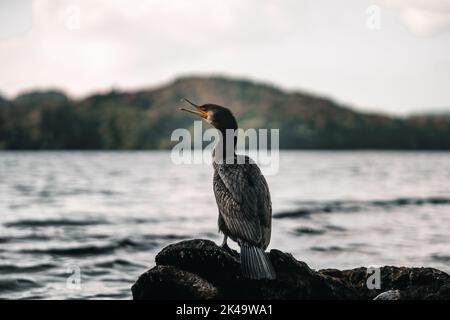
(167, 282)
(389, 295)
(412, 283)
(202, 257)
(199, 269)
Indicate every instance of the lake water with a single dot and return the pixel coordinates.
(104, 215)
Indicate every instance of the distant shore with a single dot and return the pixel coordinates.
(145, 119)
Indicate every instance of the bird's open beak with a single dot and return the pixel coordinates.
(198, 112)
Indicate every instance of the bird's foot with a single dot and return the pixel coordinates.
(226, 248)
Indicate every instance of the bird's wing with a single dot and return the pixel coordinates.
(264, 208)
(239, 200)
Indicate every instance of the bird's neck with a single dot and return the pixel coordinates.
(225, 149)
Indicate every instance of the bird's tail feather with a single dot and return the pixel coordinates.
(255, 263)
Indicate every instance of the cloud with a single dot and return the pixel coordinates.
(316, 45)
(133, 44)
(422, 17)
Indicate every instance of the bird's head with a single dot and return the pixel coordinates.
(219, 117)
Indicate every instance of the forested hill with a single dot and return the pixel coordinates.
(145, 119)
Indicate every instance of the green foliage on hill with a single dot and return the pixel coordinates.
(145, 119)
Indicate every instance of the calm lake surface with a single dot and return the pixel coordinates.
(105, 215)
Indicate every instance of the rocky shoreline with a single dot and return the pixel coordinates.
(199, 269)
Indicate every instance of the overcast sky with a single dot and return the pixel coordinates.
(384, 55)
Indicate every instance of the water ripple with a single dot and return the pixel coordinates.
(29, 223)
(310, 207)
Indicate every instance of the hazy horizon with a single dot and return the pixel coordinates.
(395, 60)
(346, 104)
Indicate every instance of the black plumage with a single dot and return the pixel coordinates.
(242, 196)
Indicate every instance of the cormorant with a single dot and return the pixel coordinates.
(242, 195)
